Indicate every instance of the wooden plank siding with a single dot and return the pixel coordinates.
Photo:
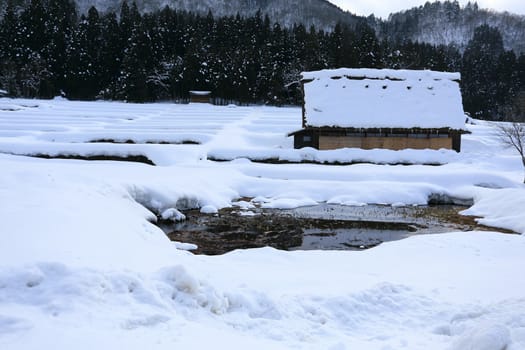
(200, 99)
(200, 96)
(394, 139)
(392, 143)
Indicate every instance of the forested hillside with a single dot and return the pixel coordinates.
(436, 23)
(449, 23)
(320, 13)
(47, 50)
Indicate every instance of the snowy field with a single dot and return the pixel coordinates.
(82, 267)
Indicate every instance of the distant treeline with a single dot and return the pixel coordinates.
(46, 49)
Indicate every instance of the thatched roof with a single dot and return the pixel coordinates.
(383, 98)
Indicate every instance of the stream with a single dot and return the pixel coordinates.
(320, 227)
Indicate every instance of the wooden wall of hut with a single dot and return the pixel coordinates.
(392, 143)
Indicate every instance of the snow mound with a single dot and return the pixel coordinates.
(173, 215)
(180, 286)
(497, 207)
(209, 209)
(185, 246)
(338, 156)
(484, 337)
(56, 289)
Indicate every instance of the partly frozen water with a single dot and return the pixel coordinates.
(348, 239)
(318, 227)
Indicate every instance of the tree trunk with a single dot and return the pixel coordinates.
(523, 161)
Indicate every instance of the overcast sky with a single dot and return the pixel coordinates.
(382, 8)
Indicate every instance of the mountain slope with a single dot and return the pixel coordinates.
(448, 23)
(320, 13)
(435, 23)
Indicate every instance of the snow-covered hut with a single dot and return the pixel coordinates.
(200, 96)
(381, 108)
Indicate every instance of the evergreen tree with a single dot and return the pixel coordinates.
(10, 50)
(60, 23)
(34, 29)
(367, 47)
(111, 53)
(479, 72)
(274, 67)
(9, 33)
(392, 55)
(132, 81)
(507, 85)
(84, 58)
(35, 76)
(335, 46)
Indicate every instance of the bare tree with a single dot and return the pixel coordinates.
(513, 135)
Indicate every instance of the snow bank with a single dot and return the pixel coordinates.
(77, 208)
(434, 297)
(341, 156)
(487, 337)
(500, 208)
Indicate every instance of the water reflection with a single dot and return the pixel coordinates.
(324, 226)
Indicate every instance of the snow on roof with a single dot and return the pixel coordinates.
(396, 74)
(383, 98)
(200, 93)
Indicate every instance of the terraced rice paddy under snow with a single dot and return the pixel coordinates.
(83, 266)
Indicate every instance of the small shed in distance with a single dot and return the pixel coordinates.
(200, 96)
(381, 108)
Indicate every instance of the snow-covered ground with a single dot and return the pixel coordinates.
(82, 267)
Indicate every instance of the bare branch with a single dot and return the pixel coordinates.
(513, 135)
